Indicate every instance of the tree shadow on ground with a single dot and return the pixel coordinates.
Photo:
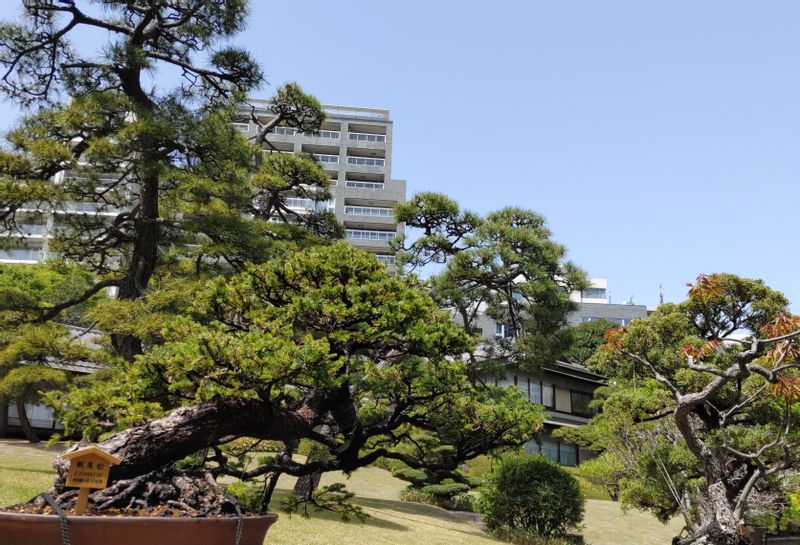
(373, 520)
(401, 508)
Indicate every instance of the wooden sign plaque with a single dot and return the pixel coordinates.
(88, 468)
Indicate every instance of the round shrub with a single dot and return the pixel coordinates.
(531, 492)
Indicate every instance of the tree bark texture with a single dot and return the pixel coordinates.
(305, 485)
(186, 430)
(3, 416)
(24, 423)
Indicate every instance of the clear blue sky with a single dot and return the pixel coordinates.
(660, 139)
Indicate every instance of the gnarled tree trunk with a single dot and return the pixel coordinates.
(186, 430)
(24, 423)
(718, 524)
(3, 416)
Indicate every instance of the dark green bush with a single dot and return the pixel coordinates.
(416, 477)
(446, 490)
(459, 502)
(521, 536)
(531, 493)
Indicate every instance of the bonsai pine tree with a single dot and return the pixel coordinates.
(711, 421)
(324, 337)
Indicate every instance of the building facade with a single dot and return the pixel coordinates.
(354, 146)
(594, 303)
(564, 389)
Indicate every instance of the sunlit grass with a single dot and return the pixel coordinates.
(26, 470)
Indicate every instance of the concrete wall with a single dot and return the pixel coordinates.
(608, 311)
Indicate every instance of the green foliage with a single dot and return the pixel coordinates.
(322, 319)
(416, 477)
(694, 347)
(456, 499)
(334, 498)
(249, 495)
(604, 471)
(446, 490)
(505, 263)
(532, 493)
(527, 536)
(586, 339)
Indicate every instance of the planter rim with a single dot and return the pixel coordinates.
(124, 518)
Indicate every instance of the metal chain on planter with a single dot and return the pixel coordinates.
(65, 540)
(239, 525)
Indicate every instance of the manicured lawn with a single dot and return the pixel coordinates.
(26, 470)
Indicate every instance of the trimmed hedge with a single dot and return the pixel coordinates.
(531, 493)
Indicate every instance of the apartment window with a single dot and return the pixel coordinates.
(241, 127)
(567, 454)
(579, 403)
(548, 395)
(618, 321)
(323, 158)
(21, 254)
(366, 161)
(385, 259)
(594, 293)
(31, 229)
(88, 207)
(541, 393)
(333, 135)
(364, 234)
(368, 211)
(505, 331)
(364, 185)
(308, 204)
(284, 131)
(267, 152)
(364, 137)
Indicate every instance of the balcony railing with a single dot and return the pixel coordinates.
(289, 131)
(332, 135)
(88, 207)
(364, 185)
(366, 161)
(20, 254)
(368, 211)
(364, 234)
(307, 204)
(241, 127)
(329, 159)
(385, 259)
(366, 137)
(284, 131)
(30, 230)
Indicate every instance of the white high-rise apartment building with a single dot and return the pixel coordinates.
(354, 146)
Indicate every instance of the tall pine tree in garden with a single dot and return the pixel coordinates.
(700, 414)
(167, 178)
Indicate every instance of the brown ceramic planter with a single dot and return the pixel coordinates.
(22, 529)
